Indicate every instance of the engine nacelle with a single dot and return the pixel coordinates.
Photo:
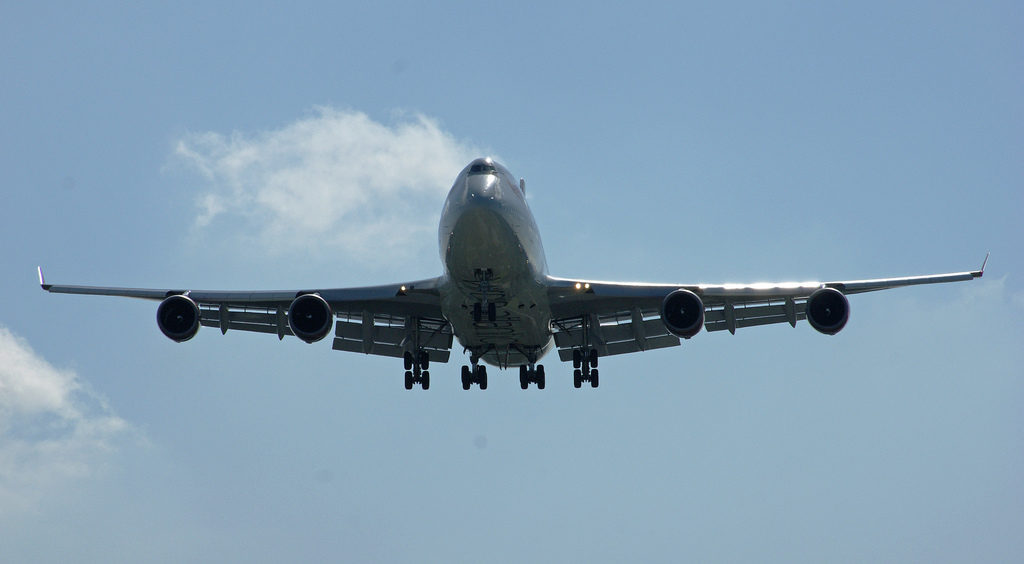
(828, 310)
(178, 318)
(682, 312)
(310, 317)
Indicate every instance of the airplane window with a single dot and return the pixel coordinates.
(482, 169)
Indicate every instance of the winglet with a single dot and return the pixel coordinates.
(42, 281)
(981, 272)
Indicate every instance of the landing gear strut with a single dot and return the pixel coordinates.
(534, 374)
(584, 363)
(416, 366)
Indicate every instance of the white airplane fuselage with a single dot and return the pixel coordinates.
(494, 292)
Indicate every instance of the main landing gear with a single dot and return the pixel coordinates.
(534, 374)
(416, 366)
(475, 375)
(584, 365)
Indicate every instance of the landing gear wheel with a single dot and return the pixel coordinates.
(425, 381)
(466, 377)
(492, 312)
(524, 379)
(482, 377)
(577, 378)
(424, 358)
(408, 380)
(577, 358)
(540, 377)
(593, 378)
(408, 360)
(593, 358)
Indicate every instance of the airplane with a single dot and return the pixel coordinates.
(496, 297)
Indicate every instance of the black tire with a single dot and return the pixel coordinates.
(424, 359)
(593, 378)
(492, 312)
(465, 377)
(593, 358)
(483, 377)
(577, 358)
(577, 378)
(408, 360)
(524, 381)
(541, 380)
(408, 380)
(425, 382)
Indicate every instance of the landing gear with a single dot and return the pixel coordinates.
(484, 307)
(475, 375)
(478, 312)
(416, 369)
(528, 374)
(584, 364)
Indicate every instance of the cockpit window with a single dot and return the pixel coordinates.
(482, 168)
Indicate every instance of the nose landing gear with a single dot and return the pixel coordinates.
(484, 306)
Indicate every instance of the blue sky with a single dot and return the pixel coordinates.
(225, 147)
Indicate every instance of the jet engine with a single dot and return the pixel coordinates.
(682, 312)
(178, 318)
(828, 310)
(310, 317)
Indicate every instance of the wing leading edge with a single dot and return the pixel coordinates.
(383, 320)
(617, 317)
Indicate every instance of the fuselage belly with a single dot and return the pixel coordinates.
(493, 293)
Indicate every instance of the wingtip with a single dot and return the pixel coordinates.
(981, 272)
(42, 281)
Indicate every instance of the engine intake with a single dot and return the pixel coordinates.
(178, 318)
(828, 310)
(310, 317)
(682, 312)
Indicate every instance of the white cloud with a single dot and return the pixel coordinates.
(52, 427)
(335, 181)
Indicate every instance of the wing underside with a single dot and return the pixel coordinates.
(385, 320)
(618, 318)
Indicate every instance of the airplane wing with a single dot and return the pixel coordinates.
(618, 318)
(380, 320)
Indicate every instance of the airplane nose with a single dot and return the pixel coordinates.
(481, 186)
